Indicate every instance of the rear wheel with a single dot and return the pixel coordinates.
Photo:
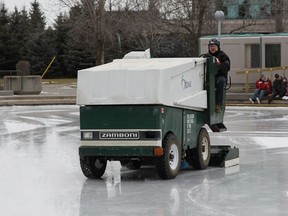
(201, 155)
(168, 165)
(92, 167)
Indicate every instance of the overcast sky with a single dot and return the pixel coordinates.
(51, 8)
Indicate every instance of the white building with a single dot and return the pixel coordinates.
(252, 51)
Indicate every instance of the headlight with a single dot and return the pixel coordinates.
(87, 135)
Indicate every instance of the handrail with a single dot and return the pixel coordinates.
(8, 71)
(258, 70)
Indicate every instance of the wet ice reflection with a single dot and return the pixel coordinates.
(37, 160)
(132, 193)
(112, 179)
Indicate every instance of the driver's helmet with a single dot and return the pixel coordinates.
(214, 41)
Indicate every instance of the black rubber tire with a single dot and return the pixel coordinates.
(168, 165)
(93, 167)
(201, 155)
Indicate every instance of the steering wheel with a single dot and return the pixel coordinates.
(206, 55)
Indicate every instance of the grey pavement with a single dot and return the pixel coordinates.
(51, 94)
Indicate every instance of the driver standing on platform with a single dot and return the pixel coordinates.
(223, 62)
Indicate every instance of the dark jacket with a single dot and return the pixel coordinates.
(277, 86)
(224, 66)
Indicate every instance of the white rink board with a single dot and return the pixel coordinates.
(168, 81)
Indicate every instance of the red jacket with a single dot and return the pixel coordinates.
(264, 85)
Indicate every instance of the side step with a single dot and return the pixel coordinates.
(220, 127)
(224, 156)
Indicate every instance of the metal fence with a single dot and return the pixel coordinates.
(280, 70)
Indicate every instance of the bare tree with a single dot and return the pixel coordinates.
(161, 25)
(89, 26)
(102, 22)
(278, 12)
(142, 24)
(192, 18)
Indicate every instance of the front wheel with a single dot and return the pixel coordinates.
(201, 155)
(168, 165)
(93, 167)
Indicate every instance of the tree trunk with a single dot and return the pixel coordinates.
(101, 39)
(100, 54)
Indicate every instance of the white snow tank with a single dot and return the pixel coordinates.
(168, 81)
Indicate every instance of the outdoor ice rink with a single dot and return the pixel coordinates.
(40, 172)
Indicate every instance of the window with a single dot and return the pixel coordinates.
(252, 55)
(243, 10)
(272, 55)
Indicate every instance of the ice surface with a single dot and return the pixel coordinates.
(40, 172)
(272, 142)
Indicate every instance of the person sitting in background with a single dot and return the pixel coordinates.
(263, 88)
(284, 89)
(277, 85)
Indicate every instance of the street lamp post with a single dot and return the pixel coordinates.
(219, 15)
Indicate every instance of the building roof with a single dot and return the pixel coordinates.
(247, 35)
